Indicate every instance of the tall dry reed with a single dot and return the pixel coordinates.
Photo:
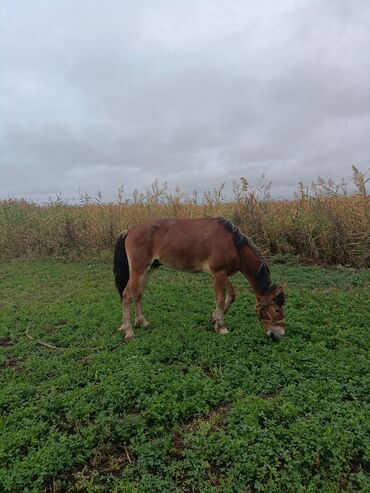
(323, 224)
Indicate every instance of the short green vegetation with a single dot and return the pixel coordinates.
(182, 409)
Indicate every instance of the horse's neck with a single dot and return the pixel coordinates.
(251, 263)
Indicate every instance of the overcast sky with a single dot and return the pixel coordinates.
(95, 94)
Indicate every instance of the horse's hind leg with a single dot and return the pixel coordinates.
(219, 281)
(130, 293)
(140, 319)
(126, 303)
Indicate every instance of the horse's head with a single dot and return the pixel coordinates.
(269, 308)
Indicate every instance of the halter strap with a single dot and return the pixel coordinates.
(259, 306)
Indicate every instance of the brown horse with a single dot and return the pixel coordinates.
(212, 245)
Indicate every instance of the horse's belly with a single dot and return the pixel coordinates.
(186, 264)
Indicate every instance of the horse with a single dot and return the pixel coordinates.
(212, 245)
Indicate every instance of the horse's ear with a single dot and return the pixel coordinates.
(279, 294)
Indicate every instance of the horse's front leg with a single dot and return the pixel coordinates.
(229, 300)
(230, 295)
(219, 282)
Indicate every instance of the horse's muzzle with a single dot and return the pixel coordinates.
(275, 333)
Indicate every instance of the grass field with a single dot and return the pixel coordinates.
(182, 409)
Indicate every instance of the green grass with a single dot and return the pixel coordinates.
(181, 408)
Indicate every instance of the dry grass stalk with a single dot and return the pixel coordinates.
(324, 223)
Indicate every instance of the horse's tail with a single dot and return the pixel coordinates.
(120, 264)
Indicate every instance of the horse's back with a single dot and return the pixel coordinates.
(193, 245)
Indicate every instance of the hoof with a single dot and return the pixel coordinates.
(142, 323)
(222, 330)
(129, 337)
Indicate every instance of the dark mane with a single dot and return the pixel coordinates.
(239, 238)
(262, 276)
(263, 279)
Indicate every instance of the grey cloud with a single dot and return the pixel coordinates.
(95, 95)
